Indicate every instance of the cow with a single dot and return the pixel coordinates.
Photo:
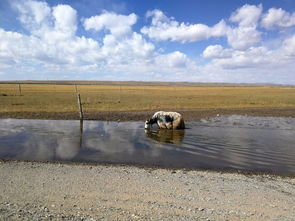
(166, 120)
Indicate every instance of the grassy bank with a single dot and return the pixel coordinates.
(115, 98)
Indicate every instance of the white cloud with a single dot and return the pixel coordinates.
(132, 50)
(118, 25)
(243, 38)
(217, 51)
(253, 58)
(289, 46)
(18, 48)
(247, 15)
(65, 19)
(51, 45)
(250, 58)
(52, 39)
(245, 35)
(34, 15)
(277, 17)
(172, 60)
(164, 28)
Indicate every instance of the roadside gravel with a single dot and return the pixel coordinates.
(44, 191)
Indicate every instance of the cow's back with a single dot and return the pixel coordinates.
(177, 123)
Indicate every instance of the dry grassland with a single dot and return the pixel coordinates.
(115, 98)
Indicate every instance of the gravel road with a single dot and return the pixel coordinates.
(44, 191)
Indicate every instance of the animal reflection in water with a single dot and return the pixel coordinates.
(166, 120)
(166, 136)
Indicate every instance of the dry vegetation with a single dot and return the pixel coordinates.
(95, 98)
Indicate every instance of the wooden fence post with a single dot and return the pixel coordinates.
(120, 94)
(19, 90)
(80, 106)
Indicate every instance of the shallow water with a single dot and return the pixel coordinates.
(255, 144)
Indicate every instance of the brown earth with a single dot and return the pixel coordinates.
(143, 115)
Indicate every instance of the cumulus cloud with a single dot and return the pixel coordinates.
(247, 15)
(65, 19)
(41, 20)
(52, 39)
(118, 25)
(239, 37)
(34, 15)
(242, 38)
(54, 43)
(250, 58)
(128, 51)
(277, 17)
(289, 46)
(173, 60)
(245, 35)
(217, 51)
(253, 57)
(164, 28)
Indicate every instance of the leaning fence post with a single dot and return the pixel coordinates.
(80, 106)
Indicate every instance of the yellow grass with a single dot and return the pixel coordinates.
(62, 98)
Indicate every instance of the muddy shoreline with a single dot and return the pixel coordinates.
(142, 115)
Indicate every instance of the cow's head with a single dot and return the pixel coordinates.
(148, 123)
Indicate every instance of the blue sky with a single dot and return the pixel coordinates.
(230, 41)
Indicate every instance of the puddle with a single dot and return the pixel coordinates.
(253, 144)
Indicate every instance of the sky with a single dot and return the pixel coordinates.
(229, 41)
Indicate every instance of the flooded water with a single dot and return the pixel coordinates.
(257, 144)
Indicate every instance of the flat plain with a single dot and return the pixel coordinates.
(53, 100)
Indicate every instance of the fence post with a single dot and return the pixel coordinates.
(19, 90)
(120, 94)
(80, 106)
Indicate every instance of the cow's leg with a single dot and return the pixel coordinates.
(178, 123)
(169, 125)
(162, 125)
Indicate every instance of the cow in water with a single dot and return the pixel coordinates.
(166, 120)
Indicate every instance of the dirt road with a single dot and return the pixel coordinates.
(44, 191)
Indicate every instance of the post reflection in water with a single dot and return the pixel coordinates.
(69, 145)
(166, 136)
(81, 134)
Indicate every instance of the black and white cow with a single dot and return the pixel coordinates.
(166, 120)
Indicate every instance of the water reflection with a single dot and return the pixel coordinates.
(166, 136)
(223, 143)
